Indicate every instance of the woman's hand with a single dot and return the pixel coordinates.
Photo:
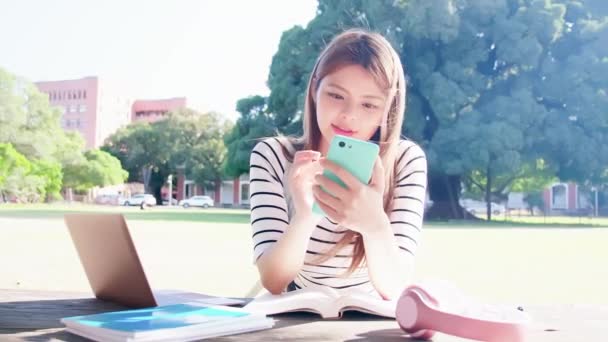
(360, 206)
(301, 178)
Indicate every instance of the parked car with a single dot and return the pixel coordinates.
(108, 199)
(138, 199)
(173, 201)
(480, 207)
(197, 201)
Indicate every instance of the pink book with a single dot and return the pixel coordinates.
(423, 310)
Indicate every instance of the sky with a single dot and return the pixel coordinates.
(212, 52)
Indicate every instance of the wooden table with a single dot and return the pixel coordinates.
(29, 315)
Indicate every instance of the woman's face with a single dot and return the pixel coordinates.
(349, 102)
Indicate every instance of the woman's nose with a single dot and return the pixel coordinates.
(348, 111)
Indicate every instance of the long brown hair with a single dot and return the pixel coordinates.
(374, 53)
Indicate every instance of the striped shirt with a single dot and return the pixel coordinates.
(271, 211)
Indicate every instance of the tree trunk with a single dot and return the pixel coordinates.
(146, 173)
(156, 191)
(156, 183)
(444, 191)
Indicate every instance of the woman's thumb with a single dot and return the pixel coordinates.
(377, 180)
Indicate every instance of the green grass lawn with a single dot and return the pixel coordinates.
(211, 250)
(131, 213)
(242, 216)
(556, 220)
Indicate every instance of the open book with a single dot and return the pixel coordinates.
(325, 301)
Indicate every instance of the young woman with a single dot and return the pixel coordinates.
(369, 237)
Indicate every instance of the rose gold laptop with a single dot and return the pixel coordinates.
(113, 268)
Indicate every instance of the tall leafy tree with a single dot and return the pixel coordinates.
(198, 144)
(27, 181)
(99, 169)
(51, 174)
(254, 122)
(494, 86)
(27, 121)
(32, 126)
(185, 141)
(12, 163)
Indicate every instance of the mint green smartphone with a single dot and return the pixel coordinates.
(355, 156)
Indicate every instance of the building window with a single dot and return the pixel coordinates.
(559, 198)
(245, 192)
(77, 123)
(84, 94)
(82, 108)
(72, 108)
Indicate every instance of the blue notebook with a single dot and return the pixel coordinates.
(172, 322)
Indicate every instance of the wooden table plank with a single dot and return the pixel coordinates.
(27, 315)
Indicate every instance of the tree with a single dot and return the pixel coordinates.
(534, 200)
(530, 178)
(198, 144)
(492, 85)
(51, 174)
(11, 163)
(70, 148)
(185, 140)
(254, 123)
(27, 120)
(32, 127)
(574, 88)
(99, 169)
(27, 181)
(140, 149)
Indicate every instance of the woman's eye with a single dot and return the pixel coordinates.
(370, 106)
(335, 96)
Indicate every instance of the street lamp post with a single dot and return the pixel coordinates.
(595, 207)
(170, 182)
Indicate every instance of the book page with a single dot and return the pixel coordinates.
(320, 300)
(368, 303)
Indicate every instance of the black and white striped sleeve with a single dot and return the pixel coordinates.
(269, 217)
(409, 196)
